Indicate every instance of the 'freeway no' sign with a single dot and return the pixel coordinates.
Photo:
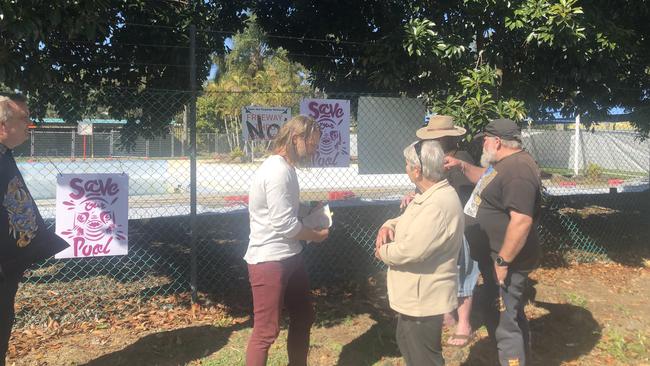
(263, 123)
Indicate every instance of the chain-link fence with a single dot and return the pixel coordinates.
(596, 199)
(596, 183)
(158, 260)
(63, 142)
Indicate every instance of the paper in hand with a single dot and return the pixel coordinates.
(317, 217)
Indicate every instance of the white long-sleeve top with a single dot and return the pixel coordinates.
(274, 201)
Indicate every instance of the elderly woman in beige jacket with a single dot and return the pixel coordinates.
(421, 249)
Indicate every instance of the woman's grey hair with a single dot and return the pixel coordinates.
(432, 158)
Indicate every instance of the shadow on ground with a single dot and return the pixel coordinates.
(372, 346)
(563, 334)
(176, 347)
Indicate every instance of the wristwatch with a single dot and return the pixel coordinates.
(501, 262)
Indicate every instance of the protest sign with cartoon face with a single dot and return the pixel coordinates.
(92, 214)
(333, 117)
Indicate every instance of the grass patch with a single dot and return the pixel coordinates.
(235, 352)
(576, 300)
(623, 311)
(335, 347)
(625, 349)
(354, 340)
(223, 322)
(348, 320)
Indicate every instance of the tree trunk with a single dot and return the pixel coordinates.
(225, 123)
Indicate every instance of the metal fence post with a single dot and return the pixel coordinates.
(31, 143)
(192, 130)
(186, 113)
(72, 152)
(576, 147)
(110, 145)
(171, 138)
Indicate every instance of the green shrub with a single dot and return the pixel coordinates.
(594, 171)
(237, 154)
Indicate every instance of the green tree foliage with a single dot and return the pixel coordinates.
(80, 55)
(572, 56)
(348, 46)
(478, 102)
(252, 73)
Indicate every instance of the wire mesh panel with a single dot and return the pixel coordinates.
(596, 196)
(596, 186)
(158, 257)
(360, 203)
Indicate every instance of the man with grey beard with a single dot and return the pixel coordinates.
(504, 210)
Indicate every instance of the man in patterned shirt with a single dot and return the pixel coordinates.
(24, 238)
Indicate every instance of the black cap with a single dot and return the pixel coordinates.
(502, 128)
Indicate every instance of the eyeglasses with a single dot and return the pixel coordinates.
(418, 151)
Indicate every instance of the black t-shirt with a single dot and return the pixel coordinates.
(458, 180)
(24, 238)
(513, 183)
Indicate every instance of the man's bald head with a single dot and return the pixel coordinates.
(14, 120)
(8, 102)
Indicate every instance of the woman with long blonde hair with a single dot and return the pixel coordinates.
(276, 268)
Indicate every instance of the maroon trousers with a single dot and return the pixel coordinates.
(277, 284)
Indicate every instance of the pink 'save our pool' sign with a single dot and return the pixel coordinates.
(92, 214)
(333, 117)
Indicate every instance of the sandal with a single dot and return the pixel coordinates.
(466, 338)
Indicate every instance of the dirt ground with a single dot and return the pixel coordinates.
(586, 314)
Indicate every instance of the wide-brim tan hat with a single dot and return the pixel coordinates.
(439, 126)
